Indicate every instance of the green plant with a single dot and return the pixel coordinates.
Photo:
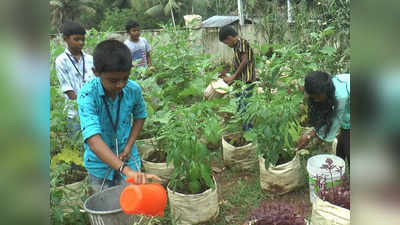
(212, 130)
(62, 211)
(276, 128)
(186, 152)
(181, 72)
(61, 10)
(68, 156)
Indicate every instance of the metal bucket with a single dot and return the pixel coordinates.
(104, 208)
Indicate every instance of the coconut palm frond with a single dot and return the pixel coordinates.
(155, 11)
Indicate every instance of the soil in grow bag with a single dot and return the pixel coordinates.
(236, 140)
(157, 157)
(283, 159)
(74, 174)
(185, 187)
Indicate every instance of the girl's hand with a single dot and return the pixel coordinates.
(303, 141)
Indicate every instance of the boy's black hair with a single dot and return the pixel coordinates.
(131, 24)
(112, 56)
(225, 31)
(321, 113)
(70, 28)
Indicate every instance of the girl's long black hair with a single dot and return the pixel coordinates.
(321, 113)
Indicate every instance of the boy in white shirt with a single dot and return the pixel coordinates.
(74, 68)
(138, 46)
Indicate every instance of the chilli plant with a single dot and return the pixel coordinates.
(275, 125)
(187, 152)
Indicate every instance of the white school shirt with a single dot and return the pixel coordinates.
(71, 77)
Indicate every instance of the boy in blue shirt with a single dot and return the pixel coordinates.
(328, 110)
(106, 105)
(74, 68)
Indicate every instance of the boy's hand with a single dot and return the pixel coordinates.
(71, 95)
(139, 177)
(229, 80)
(152, 68)
(124, 155)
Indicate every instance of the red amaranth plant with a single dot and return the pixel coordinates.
(338, 195)
(276, 214)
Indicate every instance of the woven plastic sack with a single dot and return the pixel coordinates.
(243, 157)
(162, 170)
(325, 213)
(282, 178)
(193, 208)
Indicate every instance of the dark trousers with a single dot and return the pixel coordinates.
(343, 146)
(243, 95)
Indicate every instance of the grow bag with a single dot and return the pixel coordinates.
(243, 157)
(162, 170)
(282, 178)
(325, 213)
(187, 209)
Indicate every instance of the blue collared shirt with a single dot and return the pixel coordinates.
(342, 117)
(94, 120)
(70, 78)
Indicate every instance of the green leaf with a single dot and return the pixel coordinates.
(194, 171)
(304, 152)
(328, 51)
(314, 35)
(328, 31)
(250, 136)
(194, 186)
(206, 175)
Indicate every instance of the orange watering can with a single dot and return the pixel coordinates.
(145, 199)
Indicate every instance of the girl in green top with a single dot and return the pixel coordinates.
(328, 109)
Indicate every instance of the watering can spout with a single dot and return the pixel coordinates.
(146, 199)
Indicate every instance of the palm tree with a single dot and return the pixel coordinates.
(156, 8)
(61, 10)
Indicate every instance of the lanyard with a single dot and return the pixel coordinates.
(109, 113)
(83, 60)
(116, 121)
